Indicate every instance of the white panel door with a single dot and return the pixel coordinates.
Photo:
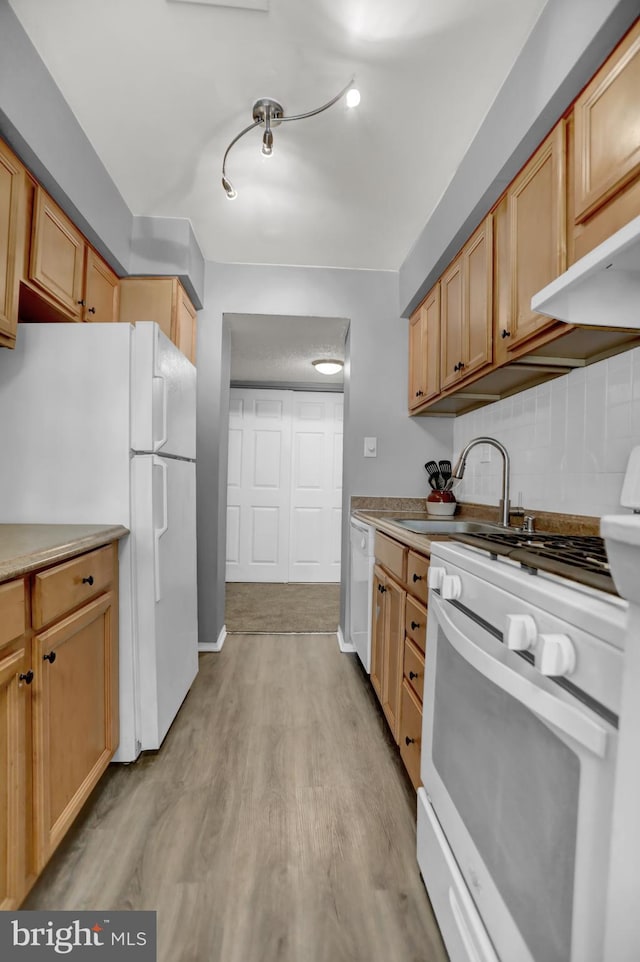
(258, 489)
(316, 487)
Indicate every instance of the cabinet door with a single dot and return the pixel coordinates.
(377, 630)
(12, 779)
(75, 716)
(184, 334)
(607, 129)
(478, 281)
(56, 264)
(537, 234)
(416, 365)
(101, 290)
(148, 299)
(411, 733)
(424, 351)
(11, 243)
(393, 654)
(452, 312)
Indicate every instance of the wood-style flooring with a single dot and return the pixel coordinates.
(275, 824)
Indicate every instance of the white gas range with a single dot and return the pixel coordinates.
(523, 694)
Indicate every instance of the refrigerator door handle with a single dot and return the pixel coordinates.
(157, 444)
(158, 532)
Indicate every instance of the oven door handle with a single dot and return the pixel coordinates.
(563, 717)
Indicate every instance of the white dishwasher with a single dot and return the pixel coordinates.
(361, 562)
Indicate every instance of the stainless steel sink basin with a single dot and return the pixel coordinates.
(446, 526)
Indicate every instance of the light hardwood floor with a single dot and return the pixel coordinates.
(276, 823)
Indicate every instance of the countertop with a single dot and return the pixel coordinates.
(380, 519)
(27, 547)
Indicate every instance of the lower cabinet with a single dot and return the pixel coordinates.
(73, 722)
(398, 637)
(58, 707)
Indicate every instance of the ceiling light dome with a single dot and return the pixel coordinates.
(328, 365)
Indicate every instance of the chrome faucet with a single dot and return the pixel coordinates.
(458, 471)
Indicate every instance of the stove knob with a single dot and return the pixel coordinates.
(451, 587)
(555, 655)
(435, 576)
(520, 633)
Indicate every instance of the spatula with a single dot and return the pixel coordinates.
(433, 471)
(445, 471)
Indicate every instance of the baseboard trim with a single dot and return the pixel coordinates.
(214, 645)
(345, 646)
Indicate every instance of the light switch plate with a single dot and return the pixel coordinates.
(370, 447)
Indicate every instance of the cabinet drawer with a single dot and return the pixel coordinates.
(417, 569)
(64, 587)
(391, 555)
(416, 623)
(12, 616)
(414, 667)
(411, 733)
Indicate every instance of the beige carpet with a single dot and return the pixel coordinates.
(277, 608)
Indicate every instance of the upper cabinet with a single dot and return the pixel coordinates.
(11, 242)
(466, 309)
(606, 189)
(164, 300)
(424, 350)
(537, 235)
(64, 279)
(579, 187)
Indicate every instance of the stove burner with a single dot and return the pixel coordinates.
(581, 558)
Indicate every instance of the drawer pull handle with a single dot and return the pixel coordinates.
(414, 625)
(88, 581)
(50, 657)
(409, 741)
(417, 578)
(412, 675)
(26, 677)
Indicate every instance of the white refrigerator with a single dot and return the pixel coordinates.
(97, 426)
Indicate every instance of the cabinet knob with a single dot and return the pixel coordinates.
(88, 581)
(415, 624)
(91, 310)
(412, 675)
(458, 366)
(419, 393)
(417, 578)
(26, 677)
(50, 657)
(81, 303)
(382, 589)
(505, 333)
(409, 741)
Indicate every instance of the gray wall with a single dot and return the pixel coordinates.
(569, 41)
(375, 396)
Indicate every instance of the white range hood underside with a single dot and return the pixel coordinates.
(602, 289)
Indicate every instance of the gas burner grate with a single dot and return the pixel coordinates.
(581, 558)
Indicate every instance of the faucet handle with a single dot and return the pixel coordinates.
(528, 523)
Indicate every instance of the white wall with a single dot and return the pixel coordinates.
(568, 439)
(375, 396)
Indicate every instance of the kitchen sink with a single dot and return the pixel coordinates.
(446, 526)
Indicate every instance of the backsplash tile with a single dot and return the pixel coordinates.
(569, 440)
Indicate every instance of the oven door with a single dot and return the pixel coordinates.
(519, 773)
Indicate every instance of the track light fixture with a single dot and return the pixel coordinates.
(269, 113)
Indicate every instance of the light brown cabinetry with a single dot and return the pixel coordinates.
(64, 279)
(606, 183)
(11, 242)
(164, 300)
(399, 622)
(424, 350)
(466, 299)
(537, 236)
(58, 707)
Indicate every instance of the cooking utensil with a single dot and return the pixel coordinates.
(445, 472)
(433, 471)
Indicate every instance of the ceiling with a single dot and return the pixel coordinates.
(278, 350)
(162, 86)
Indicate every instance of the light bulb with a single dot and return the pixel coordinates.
(328, 366)
(229, 189)
(267, 143)
(353, 97)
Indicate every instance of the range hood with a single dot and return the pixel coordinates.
(602, 289)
